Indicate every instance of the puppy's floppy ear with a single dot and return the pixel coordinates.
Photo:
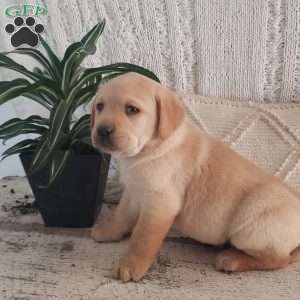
(170, 112)
(92, 117)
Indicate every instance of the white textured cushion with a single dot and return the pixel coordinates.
(266, 133)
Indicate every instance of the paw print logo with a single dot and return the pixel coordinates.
(24, 32)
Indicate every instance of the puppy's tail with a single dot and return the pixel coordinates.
(295, 255)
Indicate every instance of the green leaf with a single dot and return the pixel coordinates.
(86, 42)
(89, 74)
(12, 89)
(4, 85)
(19, 88)
(34, 119)
(61, 116)
(17, 126)
(59, 133)
(42, 73)
(44, 151)
(110, 76)
(85, 98)
(109, 72)
(59, 120)
(47, 87)
(39, 57)
(29, 129)
(85, 94)
(8, 93)
(55, 62)
(58, 162)
(78, 73)
(113, 70)
(135, 68)
(40, 156)
(78, 52)
(92, 36)
(41, 99)
(70, 50)
(81, 129)
(87, 140)
(37, 70)
(8, 63)
(21, 147)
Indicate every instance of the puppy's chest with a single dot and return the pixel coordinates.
(150, 177)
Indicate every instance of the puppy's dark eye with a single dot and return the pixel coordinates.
(131, 110)
(99, 106)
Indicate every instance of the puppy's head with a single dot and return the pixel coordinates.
(130, 111)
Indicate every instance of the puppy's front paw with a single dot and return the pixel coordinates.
(101, 233)
(131, 268)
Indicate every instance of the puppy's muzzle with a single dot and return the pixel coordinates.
(105, 133)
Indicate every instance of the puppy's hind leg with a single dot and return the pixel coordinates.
(295, 255)
(234, 260)
(261, 245)
(122, 221)
(264, 232)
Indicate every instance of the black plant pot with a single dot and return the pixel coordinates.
(75, 198)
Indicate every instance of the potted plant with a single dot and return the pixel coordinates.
(67, 175)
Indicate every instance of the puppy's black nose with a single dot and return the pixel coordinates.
(105, 131)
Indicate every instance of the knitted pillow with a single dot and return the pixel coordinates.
(268, 134)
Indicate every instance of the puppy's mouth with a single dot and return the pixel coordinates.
(106, 145)
(120, 147)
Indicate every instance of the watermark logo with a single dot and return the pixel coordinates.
(25, 10)
(25, 29)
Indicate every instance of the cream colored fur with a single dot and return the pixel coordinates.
(175, 174)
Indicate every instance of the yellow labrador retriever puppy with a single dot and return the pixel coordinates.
(175, 174)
